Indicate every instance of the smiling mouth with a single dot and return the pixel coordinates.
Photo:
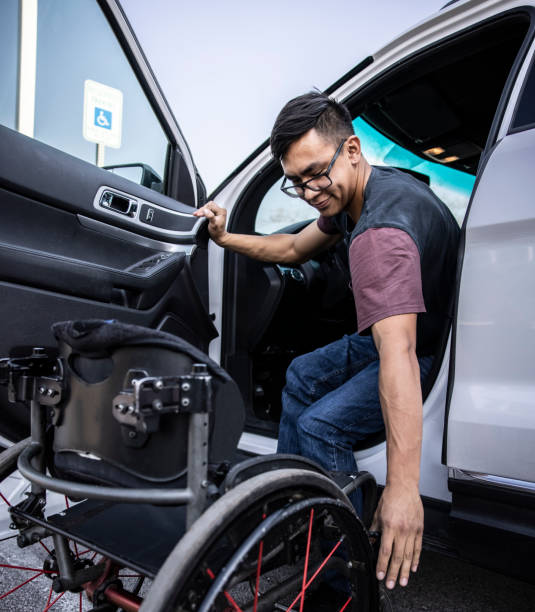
(323, 204)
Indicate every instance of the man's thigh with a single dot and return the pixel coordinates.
(329, 367)
(352, 411)
(347, 413)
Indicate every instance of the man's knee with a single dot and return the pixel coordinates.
(308, 426)
(298, 375)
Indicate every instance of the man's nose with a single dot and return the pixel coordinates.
(312, 193)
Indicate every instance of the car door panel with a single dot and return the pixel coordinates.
(32, 168)
(146, 283)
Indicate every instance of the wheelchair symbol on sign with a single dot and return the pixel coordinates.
(102, 118)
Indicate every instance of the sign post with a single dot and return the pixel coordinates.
(103, 117)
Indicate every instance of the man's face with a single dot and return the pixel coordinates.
(310, 156)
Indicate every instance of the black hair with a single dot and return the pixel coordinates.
(311, 110)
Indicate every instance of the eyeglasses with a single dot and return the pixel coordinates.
(316, 183)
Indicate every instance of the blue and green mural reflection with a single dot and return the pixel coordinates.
(452, 186)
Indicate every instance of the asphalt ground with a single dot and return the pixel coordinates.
(448, 585)
(441, 584)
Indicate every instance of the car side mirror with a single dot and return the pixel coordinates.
(139, 173)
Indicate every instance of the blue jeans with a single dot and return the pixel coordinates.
(331, 401)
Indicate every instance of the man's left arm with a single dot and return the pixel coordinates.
(399, 515)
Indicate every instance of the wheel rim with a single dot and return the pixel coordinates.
(320, 550)
(233, 517)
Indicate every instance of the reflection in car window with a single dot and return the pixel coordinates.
(277, 210)
(452, 186)
(9, 41)
(75, 45)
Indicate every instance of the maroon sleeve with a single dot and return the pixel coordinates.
(327, 226)
(386, 275)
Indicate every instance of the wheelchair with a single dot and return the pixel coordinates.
(137, 431)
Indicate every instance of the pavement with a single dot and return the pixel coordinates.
(442, 584)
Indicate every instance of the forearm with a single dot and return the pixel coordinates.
(400, 514)
(401, 403)
(275, 248)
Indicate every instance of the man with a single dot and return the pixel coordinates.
(402, 246)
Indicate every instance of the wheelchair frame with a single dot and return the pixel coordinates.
(38, 381)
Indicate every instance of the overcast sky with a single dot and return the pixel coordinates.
(228, 66)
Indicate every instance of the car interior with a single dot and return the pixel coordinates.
(440, 108)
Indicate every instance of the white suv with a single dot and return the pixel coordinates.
(452, 101)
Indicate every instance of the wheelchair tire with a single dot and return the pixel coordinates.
(273, 512)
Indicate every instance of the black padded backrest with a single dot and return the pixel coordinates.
(90, 442)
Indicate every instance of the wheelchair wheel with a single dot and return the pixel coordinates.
(285, 540)
(27, 574)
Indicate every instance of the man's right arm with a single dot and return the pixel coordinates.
(275, 248)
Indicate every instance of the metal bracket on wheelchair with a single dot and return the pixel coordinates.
(150, 397)
(33, 505)
(38, 377)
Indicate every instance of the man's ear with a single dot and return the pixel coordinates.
(353, 149)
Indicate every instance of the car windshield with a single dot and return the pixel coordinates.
(452, 186)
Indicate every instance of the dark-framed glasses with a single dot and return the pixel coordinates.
(316, 183)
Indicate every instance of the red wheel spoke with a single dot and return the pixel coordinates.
(258, 569)
(345, 605)
(7, 502)
(49, 596)
(307, 555)
(46, 548)
(53, 602)
(225, 593)
(322, 565)
(29, 569)
(232, 602)
(80, 601)
(22, 584)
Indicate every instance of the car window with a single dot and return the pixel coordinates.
(87, 100)
(277, 211)
(452, 186)
(9, 23)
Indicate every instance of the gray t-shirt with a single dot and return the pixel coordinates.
(402, 254)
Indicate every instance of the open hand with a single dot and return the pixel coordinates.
(217, 220)
(400, 519)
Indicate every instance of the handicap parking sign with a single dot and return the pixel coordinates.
(103, 114)
(102, 118)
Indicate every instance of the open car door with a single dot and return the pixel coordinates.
(490, 428)
(97, 186)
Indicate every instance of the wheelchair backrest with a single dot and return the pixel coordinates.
(93, 438)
